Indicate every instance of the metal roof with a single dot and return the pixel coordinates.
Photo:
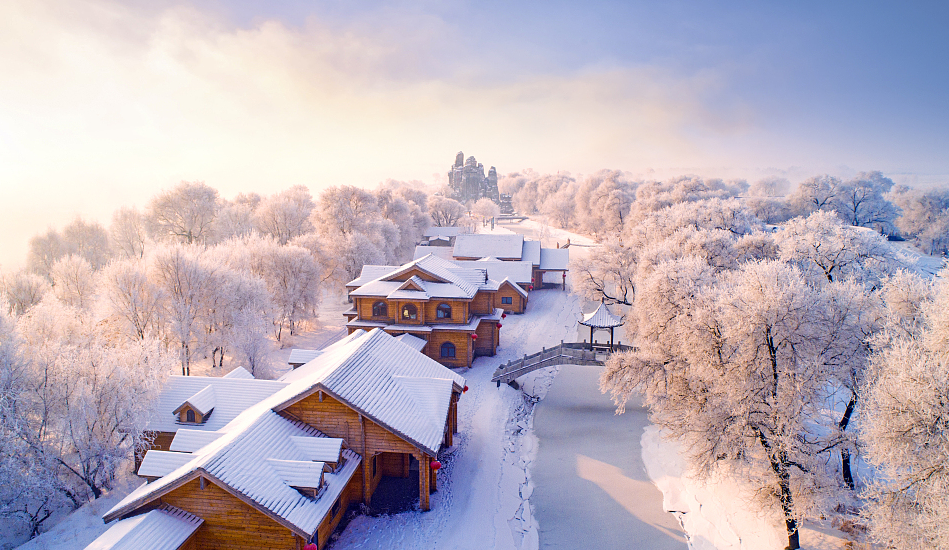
(165, 528)
(482, 245)
(240, 372)
(234, 395)
(554, 259)
(189, 441)
(531, 252)
(303, 356)
(601, 318)
(161, 463)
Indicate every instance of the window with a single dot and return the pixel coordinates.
(409, 312)
(443, 311)
(379, 309)
(507, 300)
(375, 458)
(336, 507)
(189, 416)
(448, 349)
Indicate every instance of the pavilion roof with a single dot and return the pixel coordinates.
(601, 318)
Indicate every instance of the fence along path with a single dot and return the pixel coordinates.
(567, 353)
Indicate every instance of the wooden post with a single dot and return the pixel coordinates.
(365, 462)
(423, 479)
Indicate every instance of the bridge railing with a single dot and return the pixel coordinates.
(580, 353)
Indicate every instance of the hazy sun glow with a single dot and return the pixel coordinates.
(104, 103)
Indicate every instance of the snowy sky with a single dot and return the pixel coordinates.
(104, 103)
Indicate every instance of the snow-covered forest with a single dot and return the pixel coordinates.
(780, 336)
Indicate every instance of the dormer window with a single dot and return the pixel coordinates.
(197, 408)
(443, 311)
(380, 309)
(409, 312)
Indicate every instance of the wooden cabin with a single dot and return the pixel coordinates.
(282, 472)
(454, 309)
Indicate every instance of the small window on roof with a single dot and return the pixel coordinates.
(409, 311)
(507, 300)
(443, 311)
(448, 349)
(189, 416)
(380, 309)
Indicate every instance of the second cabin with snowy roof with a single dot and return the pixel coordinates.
(453, 312)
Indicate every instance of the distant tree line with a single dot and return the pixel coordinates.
(600, 203)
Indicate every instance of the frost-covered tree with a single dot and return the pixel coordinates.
(827, 249)
(734, 364)
(485, 208)
(603, 202)
(924, 217)
(445, 212)
(816, 193)
(44, 251)
(74, 282)
(131, 299)
(22, 290)
(88, 240)
(237, 309)
(127, 233)
(285, 215)
(235, 219)
(905, 429)
(344, 210)
(862, 202)
(408, 217)
(184, 214)
(561, 206)
(185, 281)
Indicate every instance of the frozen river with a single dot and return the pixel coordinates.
(592, 490)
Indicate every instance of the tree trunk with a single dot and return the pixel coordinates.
(779, 465)
(845, 453)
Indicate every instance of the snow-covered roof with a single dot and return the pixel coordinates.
(554, 259)
(373, 375)
(161, 463)
(299, 473)
(482, 245)
(189, 441)
(203, 401)
(303, 356)
(517, 271)
(239, 460)
(443, 231)
(240, 372)
(384, 379)
(319, 449)
(601, 318)
(234, 395)
(413, 342)
(451, 281)
(439, 238)
(371, 272)
(443, 252)
(531, 252)
(165, 528)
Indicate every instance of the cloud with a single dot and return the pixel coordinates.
(103, 102)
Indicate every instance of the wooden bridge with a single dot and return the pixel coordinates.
(569, 353)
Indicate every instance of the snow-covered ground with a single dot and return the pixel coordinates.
(484, 486)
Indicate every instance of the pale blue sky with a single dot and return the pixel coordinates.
(103, 103)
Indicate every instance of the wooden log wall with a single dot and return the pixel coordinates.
(228, 521)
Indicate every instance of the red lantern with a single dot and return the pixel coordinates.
(435, 465)
(465, 389)
(530, 287)
(310, 546)
(499, 325)
(474, 336)
(504, 316)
